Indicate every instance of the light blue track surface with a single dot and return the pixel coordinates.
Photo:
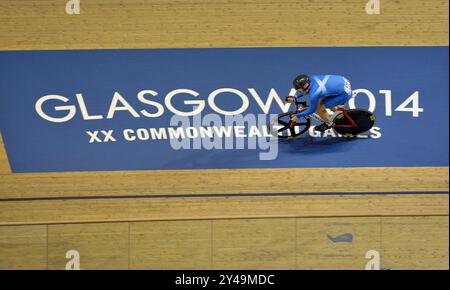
(36, 145)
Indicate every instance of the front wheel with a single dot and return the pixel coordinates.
(282, 127)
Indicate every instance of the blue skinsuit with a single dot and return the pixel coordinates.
(335, 90)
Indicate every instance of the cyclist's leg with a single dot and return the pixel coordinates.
(334, 109)
(330, 102)
(322, 112)
(333, 103)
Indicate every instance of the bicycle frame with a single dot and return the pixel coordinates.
(352, 122)
(318, 118)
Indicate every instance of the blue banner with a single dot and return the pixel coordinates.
(207, 108)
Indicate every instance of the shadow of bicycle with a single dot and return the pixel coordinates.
(312, 145)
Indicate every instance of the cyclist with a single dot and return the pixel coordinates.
(324, 91)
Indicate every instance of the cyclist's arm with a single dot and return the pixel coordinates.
(314, 102)
(298, 94)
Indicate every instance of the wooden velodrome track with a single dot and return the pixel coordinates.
(223, 219)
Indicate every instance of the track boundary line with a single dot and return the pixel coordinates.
(215, 195)
(131, 220)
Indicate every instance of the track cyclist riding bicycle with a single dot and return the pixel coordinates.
(324, 91)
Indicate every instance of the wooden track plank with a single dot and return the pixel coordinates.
(226, 181)
(415, 243)
(279, 243)
(23, 247)
(166, 245)
(100, 246)
(43, 24)
(4, 163)
(113, 210)
(260, 244)
(321, 246)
